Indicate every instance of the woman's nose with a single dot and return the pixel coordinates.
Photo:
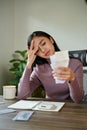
(42, 49)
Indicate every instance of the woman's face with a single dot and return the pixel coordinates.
(45, 46)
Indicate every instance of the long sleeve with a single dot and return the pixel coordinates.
(42, 75)
(76, 87)
(26, 86)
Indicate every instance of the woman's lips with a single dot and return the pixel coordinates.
(47, 53)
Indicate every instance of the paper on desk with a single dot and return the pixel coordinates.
(5, 111)
(23, 116)
(37, 105)
(49, 106)
(60, 58)
(24, 104)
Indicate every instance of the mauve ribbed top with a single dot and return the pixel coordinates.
(42, 75)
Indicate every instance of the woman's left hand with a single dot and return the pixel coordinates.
(64, 73)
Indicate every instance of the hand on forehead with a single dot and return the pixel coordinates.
(36, 41)
(34, 45)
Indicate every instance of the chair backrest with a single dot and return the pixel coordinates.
(81, 55)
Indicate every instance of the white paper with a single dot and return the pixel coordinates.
(6, 111)
(60, 58)
(37, 105)
(23, 116)
(24, 104)
(49, 106)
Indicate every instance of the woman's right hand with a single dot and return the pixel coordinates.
(31, 54)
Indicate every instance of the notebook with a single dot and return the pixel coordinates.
(37, 105)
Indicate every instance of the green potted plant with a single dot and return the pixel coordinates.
(18, 64)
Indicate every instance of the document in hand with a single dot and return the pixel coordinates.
(60, 58)
(37, 105)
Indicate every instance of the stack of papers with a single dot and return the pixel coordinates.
(37, 105)
(60, 58)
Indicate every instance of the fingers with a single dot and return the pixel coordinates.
(62, 73)
(32, 45)
(31, 54)
(32, 48)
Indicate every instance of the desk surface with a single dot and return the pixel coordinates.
(71, 117)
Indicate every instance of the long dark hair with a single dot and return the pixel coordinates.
(40, 60)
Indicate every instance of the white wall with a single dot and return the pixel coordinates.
(6, 38)
(65, 20)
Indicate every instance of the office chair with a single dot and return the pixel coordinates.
(82, 56)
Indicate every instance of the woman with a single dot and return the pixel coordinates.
(39, 72)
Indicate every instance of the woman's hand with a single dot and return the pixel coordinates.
(64, 73)
(31, 54)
